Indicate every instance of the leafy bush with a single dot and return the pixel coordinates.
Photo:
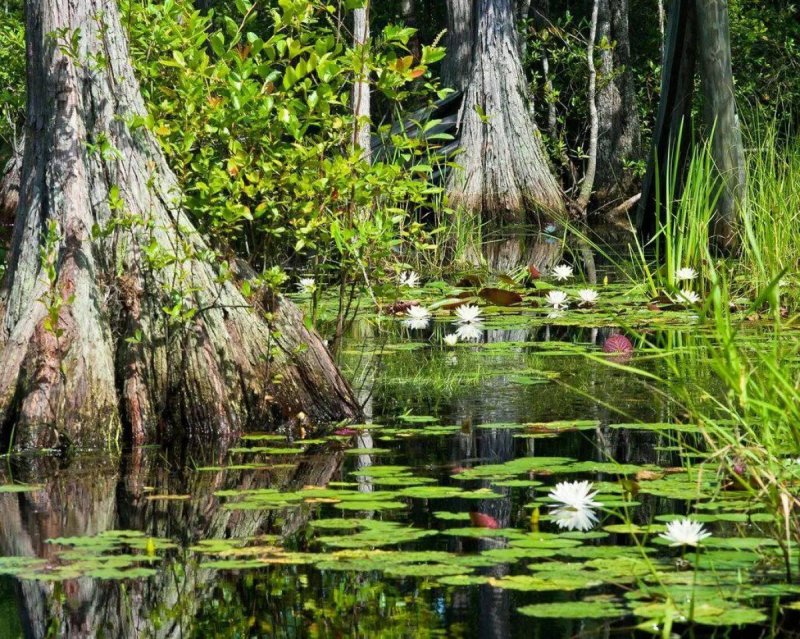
(253, 111)
(12, 77)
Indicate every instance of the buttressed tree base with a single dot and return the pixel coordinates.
(115, 312)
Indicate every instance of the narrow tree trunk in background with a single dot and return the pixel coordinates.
(523, 9)
(361, 97)
(111, 356)
(591, 163)
(460, 42)
(541, 12)
(672, 134)
(582, 203)
(620, 132)
(408, 11)
(506, 179)
(713, 26)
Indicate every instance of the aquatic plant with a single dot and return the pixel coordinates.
(469, 332)
(417, 318)
(588, 296)
(468, 313)
(451, 339)
(557, 299)
(581, 519)
(687, 297)
(307, 285)
(685, 532)
(409, 279)
(685, 274)
(562, 272)
(575, 494)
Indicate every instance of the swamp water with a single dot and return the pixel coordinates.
(431, 520)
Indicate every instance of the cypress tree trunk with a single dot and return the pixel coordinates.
(460, 42)
(620, 135)
(85, 343)
(714, 51)
(506, 179)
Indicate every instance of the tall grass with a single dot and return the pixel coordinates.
(768, 230)
(770, 215)
(686, 205)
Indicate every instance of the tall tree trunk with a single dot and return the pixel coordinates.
(361, 97)
(541, 17)
(86, 344)
(620, 134)
(460, 42)
(506, 178)
(714, 48)
(594, 129)
(672, 135)
(408, 11)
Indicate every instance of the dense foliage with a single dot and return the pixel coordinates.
(252, 106)
(12, 76)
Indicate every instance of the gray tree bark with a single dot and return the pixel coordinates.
(619, 136)
(505, 177)
(361, 96)
(714, 50)
(460, 42)
(594, 127)
(112, 357)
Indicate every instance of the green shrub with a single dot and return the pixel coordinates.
(253, 111)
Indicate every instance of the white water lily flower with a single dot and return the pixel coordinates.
(468, 314)
(451, 340)
(685, 532)
(562, 272)
(557, 299)
(582, 519)
(588, 295)
(685, 274)
(687, 297)
(575, 494)
(307, 285)
(409, 279)
(469, 332)
(417, 318)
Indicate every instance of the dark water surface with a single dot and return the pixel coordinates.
(180, 585)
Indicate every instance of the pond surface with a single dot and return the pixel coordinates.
(432, 519)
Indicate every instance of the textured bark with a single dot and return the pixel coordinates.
(361, 97)
(114, 358)
(460, 42)
(620, 133)
(594, 129)
(408, 11)
(671, 136)
(714, 48)
(505, 177)
(9, 194)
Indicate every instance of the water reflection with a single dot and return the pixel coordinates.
(520, 375)
(142, 492)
